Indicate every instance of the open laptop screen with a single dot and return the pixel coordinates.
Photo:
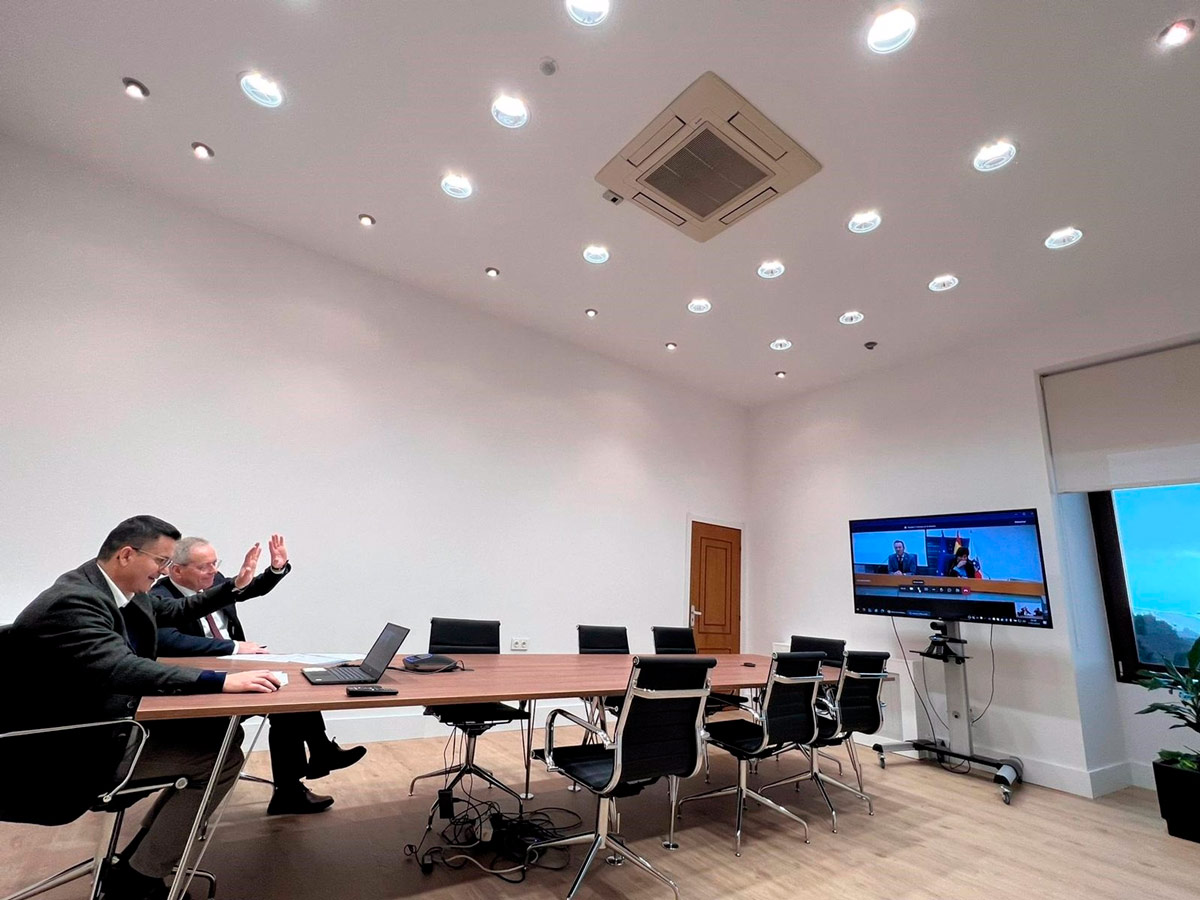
(384, 650)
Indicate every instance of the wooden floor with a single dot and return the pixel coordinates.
(934, 835)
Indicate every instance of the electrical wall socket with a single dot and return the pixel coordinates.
(519, 644)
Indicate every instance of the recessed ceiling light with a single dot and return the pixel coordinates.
(1064, 237)
(892, 30)
(780, 344)
(135, 89)
(588, 12)
(1177, 33)
(699, 306)
(672, 346)
(595, 254)
(861, 223)
(771, 268)
(511, 112)
(590, 313)
(365, 220)
(943, 283)
(457, 186)
(995, 156)
(202, 151)
(261, 89)
(491, 272)
(851, 317)
(781, 375)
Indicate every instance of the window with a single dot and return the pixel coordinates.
(1148, 541)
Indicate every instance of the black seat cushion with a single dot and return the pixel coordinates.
(739, 737)
(476, 716)
(592, 766)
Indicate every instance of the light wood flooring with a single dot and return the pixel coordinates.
(934, 835)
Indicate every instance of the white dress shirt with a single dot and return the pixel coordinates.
(218, 617)
(119, 595)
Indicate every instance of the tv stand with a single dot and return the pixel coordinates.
(946, 645)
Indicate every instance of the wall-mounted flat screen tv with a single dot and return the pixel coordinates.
(971, 567)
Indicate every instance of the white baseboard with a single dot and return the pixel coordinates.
(1141, 774)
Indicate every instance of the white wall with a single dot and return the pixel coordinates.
(891, 445)
(421, 459)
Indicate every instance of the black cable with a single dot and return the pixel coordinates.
(958, 769)
(908, 669)
(992, 692)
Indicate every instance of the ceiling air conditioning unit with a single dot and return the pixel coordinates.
(707, 161)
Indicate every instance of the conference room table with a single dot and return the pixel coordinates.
(525, 677)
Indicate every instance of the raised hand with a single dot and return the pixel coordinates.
(246, 574)
(279, 554)
(258, 682)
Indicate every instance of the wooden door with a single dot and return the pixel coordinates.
(716, 592)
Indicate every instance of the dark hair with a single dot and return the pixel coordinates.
(961, 551)
(137, 533)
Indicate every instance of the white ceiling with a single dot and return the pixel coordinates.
(384, 97)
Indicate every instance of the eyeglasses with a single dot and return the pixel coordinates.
(163, 561)
(205, 567)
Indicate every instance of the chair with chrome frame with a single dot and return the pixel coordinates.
(834, 649)
(56, 787)
(455, 637)
(788, 720)
(855, 708)
(657, 735)
(608, 640)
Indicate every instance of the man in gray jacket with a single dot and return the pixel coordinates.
(92, 639)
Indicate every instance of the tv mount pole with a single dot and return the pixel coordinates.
(946, 645)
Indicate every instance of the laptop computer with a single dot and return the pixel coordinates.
(372, 668)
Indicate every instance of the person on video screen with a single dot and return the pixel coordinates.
(960, 566)
(901, 563)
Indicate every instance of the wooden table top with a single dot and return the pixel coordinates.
(533, 676)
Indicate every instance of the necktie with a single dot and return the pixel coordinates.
(212, 626)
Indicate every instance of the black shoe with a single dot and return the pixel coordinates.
(322, 762)
(297, 800)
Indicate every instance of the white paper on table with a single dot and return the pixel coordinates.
(282, 677)
(303, 659)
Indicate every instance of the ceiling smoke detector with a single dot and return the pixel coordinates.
(707, 161)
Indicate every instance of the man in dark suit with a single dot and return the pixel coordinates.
(195, 568)
(901, 563)
(91, 638)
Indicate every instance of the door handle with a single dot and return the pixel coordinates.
(695, 614)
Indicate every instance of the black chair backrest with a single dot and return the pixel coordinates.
(659, 735)
(603, 639)
(669, 639)
(858, 691)
(455, 637)
(789, 713)
(833, 649)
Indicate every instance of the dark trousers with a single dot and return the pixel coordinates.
(187, 747)
(287, 737)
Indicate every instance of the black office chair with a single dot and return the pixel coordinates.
(49, 782)
(855, 708)
(462, 637)
(832, 648)
(611, 640)
(788, 720)
(678, 640)
(657, 736)
(55, 785)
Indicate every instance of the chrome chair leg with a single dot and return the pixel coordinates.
(79, 870)
(440, 773)
(643, 864)
(673, 789)
(833, 759)
(854, 761)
